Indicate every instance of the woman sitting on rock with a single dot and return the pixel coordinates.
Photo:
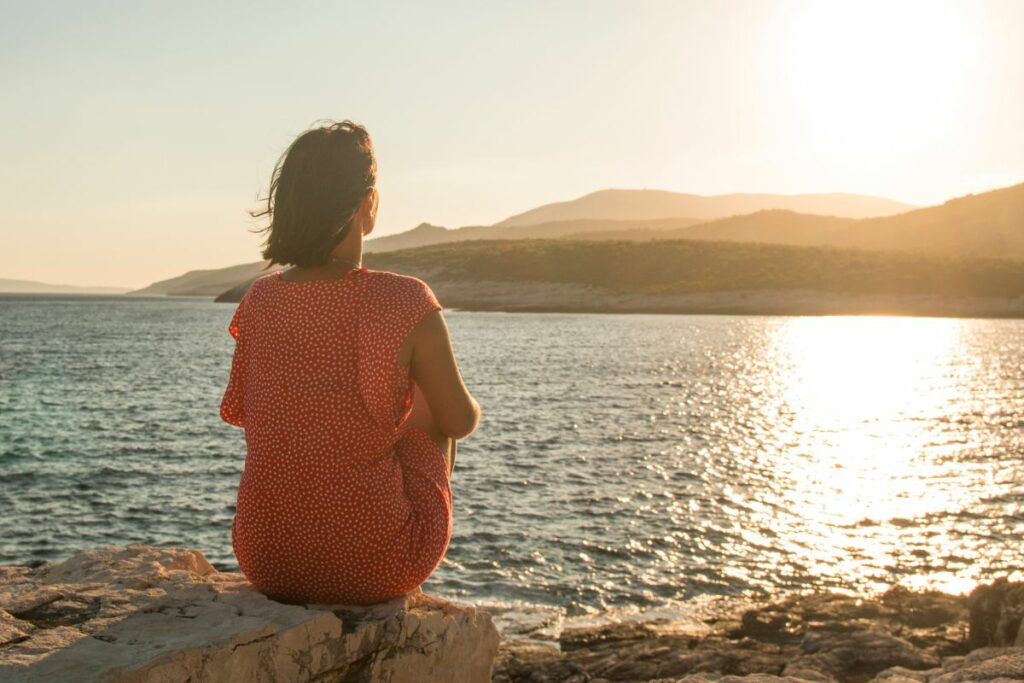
(346, 385)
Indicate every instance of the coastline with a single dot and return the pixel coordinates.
(551, 297)
(559, 298)
(896, 636)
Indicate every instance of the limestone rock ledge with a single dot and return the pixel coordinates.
(142, 613)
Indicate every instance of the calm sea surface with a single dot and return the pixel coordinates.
(624, 461)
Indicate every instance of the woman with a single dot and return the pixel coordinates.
(346, 385)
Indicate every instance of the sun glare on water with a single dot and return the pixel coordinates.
(859, 391)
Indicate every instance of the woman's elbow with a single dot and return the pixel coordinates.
(462, 424)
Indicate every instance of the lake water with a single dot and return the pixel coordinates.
(623, 462)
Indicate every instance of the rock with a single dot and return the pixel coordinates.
(764, 625)
(896, 674)
(861, 654)
(926, 609)
(527, 660)
(13, 630)
(164, 614)
(575, 638)
(716, 678)
(996, 612)
(995, 664)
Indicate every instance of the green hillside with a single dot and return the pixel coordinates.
(682, 266)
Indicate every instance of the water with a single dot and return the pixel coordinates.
(623, 462)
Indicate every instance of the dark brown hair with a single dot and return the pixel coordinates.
(315, 190)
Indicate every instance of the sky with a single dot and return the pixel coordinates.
(135, 137)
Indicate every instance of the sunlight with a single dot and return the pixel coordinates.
(862, 370)
(858, 391)
(860, 78)
(856, 386)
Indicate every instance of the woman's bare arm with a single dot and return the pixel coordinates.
(434, 370)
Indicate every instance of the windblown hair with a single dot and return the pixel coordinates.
(315, 190)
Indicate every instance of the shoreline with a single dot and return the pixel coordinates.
(543, 623)
(553, 297)
(562, 298)
(896, 636)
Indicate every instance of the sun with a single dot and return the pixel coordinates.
(867, 80)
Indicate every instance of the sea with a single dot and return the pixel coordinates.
(624, 464)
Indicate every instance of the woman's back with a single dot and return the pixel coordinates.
(339, 502)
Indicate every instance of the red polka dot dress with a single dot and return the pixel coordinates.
(339, 501)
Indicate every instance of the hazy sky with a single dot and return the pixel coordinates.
(135, 135)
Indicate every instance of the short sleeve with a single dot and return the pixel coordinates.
(232, 403)
(235, 320)
(428, 303)
(392, 306)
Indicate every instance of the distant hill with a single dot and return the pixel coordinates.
(31, 287)
(615, 214)
(985, 225)
(678, 266)
(703, 276)
(425, 234)
(420, 236)
(773, 226)
(213, 282)
(651, 204)
(205, 282)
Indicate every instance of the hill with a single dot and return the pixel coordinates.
(215, 281)
(983, 225)
(8, 286)
(987, 224)
(616, 214)
(420, 236)
(205, 282)
(651, 204)
(425, 234)
(683, 276)
(773, 226)
(681, 266)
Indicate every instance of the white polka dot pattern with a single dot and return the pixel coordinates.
(339, 501)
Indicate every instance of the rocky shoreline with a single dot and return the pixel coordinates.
(142, 613)
(897, 637)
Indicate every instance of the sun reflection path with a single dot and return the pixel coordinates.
(864, 395)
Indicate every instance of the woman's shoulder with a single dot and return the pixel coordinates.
(268, 279)
(258, 286)
(399, 288)
(396, 282)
